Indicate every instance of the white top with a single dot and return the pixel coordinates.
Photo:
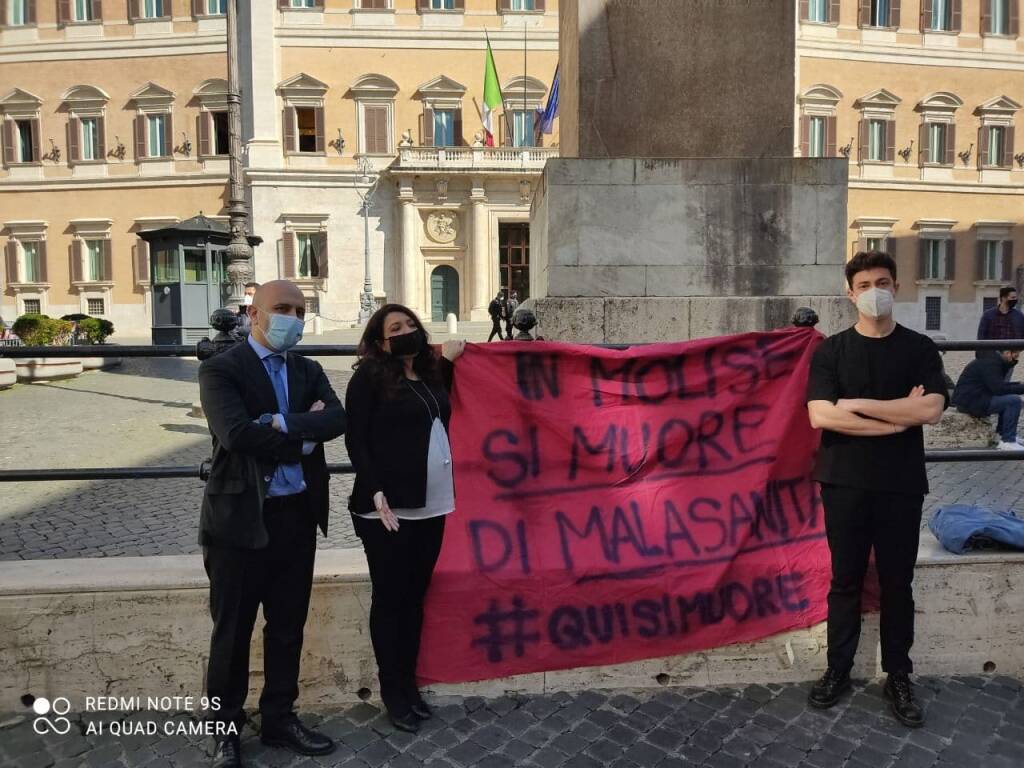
(440, 498)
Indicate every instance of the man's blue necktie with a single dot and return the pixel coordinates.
(287, 477)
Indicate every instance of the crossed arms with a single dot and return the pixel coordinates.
(864, 417)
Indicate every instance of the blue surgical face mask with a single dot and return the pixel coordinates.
(284, 331)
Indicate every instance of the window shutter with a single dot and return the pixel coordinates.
(922, 144)
(864, 13)
(457, 138)
(288, 123)
(860, 246)
(97, 10)
(140, 137)
(42, 262)
(198, 7)
(11, 250)
(30, 15)
(538, 5)
(318, 113)
(423, 5)
(459, 5)
(950, 144)
(894, 13)
(862, 140)
(382, 138)
(805, 9)
(101, 139)
(951, 259)
(428, 127)
(64, 11)
(8, 141)
(922, 259)
(830, 136)
(805, 136)
(926, 15)
(506, 5)
(321, 254)
(168, 135)
(1007, 260)
(986, 17)
(1014, 25)
(74, 132)
(76, 260)
(133, 10)
(504, 139)
(890, 141)
(1008, 147)
(203, 132)
(141, 261)
(282, 4)
(956, 16)
(35, 141)
(108, 260)
(982, 146)
(833, 11)
(288, 254)
(979, 260)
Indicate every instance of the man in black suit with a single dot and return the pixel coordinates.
(269, 412)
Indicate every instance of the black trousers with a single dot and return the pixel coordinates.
(495, 329)
(857, 521)
(280, 576)
(401, 564)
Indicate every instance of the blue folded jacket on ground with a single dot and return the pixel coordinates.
(964, 528)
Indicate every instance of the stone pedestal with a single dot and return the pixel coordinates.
(639, 250)
(677, 209)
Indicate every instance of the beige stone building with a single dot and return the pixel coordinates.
(923, 98)
(395, 88)
(112, 122)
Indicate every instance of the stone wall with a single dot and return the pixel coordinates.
(140, 626)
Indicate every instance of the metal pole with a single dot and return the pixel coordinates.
(239, 252)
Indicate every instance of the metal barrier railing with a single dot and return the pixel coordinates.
(339, 350)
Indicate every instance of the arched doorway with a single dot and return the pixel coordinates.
(444, 293)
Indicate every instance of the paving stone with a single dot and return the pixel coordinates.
(467, 753)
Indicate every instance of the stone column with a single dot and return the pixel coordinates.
(259, 73)
(411, 277)
(479, 253)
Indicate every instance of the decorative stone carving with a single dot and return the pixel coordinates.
(478, 139)
(406, 138)
(443, 226)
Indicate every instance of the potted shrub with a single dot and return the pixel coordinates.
(94, 330)
(44, 331)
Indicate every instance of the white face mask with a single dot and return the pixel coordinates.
(875, 303)
(247, 300)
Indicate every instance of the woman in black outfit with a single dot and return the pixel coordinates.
(397, 439)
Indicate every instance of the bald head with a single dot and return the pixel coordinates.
(278, 297)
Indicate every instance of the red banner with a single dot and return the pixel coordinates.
(615, 505)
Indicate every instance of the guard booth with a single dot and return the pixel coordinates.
(188, 275)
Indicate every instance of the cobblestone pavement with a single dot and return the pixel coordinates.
(972, 723)
(138, 414)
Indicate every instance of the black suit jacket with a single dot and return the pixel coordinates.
(235, 389)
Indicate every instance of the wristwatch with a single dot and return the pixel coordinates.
(267, 420)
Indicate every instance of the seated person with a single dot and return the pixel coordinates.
(983, 390)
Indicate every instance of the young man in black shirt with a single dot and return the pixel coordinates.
(871, 388)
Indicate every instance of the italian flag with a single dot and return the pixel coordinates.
(492, 97)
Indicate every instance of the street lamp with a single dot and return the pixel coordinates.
(369, 178)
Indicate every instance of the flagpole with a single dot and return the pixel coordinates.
(524, 80)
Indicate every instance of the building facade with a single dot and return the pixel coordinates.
(112, 121)
(923, 99)
(381, 100)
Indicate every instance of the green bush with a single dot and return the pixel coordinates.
(95, 329)
(42, 331)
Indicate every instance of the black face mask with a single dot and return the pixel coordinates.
(1011, 303)
(407, 344)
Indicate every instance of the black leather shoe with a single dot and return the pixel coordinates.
(293, 735)
(827, 691)
(227, 753)
(407, 722)
(419, 707)
(900, 692)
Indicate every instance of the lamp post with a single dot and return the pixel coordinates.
(239, 252)
(369, 178)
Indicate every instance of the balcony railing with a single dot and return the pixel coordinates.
(475, 158)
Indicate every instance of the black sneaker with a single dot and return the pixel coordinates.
(900, 692)
(826, 692)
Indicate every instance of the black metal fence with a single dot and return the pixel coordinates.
(342, 350)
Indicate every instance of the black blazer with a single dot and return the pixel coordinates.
(388, 440)
(235, 389)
